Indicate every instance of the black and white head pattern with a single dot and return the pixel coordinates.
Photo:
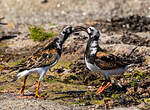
(68, 30)
(65, 33)
(93, 33)
(93, 38)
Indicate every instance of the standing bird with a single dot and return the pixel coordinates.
(45, 58)
(98, 61)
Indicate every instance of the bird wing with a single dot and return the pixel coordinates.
(109, 61)
(44, 56)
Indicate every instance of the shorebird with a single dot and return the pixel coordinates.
(101, 62)
(43, 59)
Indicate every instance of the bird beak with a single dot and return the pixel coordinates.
(80, 28)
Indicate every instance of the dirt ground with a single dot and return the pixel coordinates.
(124, 25)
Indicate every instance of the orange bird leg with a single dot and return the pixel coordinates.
(37, 90)
(101, 89)
(23, 86)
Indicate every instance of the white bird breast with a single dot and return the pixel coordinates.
(95, 43)
(106, 72)
(58, 45)
(41, 70)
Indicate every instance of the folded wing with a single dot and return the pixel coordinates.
(109, 61)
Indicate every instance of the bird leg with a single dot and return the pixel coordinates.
(101, 89)
(23, 86)
(37, 90)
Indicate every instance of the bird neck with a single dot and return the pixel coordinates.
(60, 40)
(92, 47)
(63, 37)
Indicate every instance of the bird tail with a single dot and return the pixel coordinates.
(23, 73)
(131, 65)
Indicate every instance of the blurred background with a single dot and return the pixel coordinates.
(70, 11)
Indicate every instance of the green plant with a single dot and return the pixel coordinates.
(39, 34)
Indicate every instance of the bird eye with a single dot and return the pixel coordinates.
(45, 55)
(91, 30)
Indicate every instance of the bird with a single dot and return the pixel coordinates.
(98, 60)
(44, 58)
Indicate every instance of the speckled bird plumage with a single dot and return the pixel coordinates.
(99, 61)
(45, 57)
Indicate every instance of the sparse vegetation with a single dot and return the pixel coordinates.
(39, 34)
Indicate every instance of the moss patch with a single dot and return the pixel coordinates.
(39, 34)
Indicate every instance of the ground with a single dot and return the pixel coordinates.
(123, 25)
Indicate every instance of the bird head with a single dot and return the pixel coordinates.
(93, 33)
(67, 30)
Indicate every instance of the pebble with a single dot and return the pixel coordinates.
(130, 91)
(140, 90)
(148, 90)
(58, 5)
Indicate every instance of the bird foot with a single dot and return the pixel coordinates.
(101, 89)
(37, 96)
(21, 91)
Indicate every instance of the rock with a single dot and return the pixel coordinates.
(148, 90)
(130, 91)
(140, 90)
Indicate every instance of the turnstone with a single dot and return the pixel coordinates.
(99, 61)
(45, 58)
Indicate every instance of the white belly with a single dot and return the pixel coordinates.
(105, 72)
(41, 70)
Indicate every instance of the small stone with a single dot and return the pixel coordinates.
(148, 90)
(84, 13)
(103, 30)
(145, 94)
(81, 61)
(97, 106)
(123, 26)
(58, 5)
(128, 26)
(130, 91)
(140, 90)
(63, 12)
(109, 20)
(44, 1)
(110, 103)
(90, 87)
